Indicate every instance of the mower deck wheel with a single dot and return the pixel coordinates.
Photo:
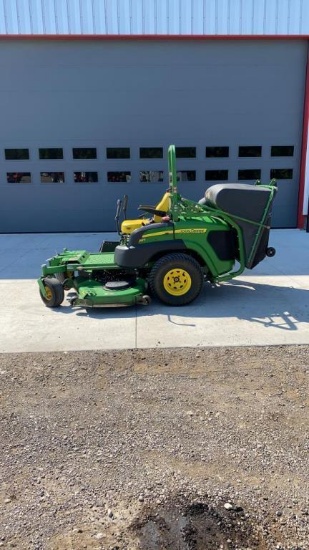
(176, 279)
(270, 252)
(54, 292)
(144, 300)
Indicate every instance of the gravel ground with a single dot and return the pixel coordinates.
(155, 449)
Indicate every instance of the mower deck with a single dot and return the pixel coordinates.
(77, 266)
(92, 293)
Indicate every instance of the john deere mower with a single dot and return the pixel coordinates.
(170, 251)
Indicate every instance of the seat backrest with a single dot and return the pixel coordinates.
(163, 205)
(128, 226)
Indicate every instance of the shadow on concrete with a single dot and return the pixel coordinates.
(272, 306)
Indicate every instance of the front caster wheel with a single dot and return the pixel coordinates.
(270, 252)
(144, 300)
(176, 279)
(54, 292)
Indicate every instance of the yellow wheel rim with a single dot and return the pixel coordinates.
(177, 282)
(48, 293)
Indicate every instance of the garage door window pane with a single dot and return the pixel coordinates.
(52, 177)
(186, 175)
(85, 177)
(151, 152)
(250, 151)
(118, 177)
(217, 152)
(186, 152)
(18, 177)
(281, 173)
(282, 150)
(16, 154)
(118, 152)
(53, 153)
(249, 174)
(216, 175)
(150, 176)
(84, 153)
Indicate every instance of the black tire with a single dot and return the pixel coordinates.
(55, 292)
(270, 252)
(176, 279)
(62, 278)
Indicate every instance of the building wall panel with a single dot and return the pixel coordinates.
(197, 21)
(134, 17)
(210, 21)
(148, 16)
(185, 17)
(62, 20)
(3, 24)
(257, 17)
(124, 22)
(35, 18)
(304, 17)
(271, 18)
(99, 17)
(162, 18)
(48, 17)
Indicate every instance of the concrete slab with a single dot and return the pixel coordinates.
(27, 325)
(22, 255)
(268, 305)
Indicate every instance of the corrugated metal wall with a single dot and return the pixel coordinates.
(134, 17)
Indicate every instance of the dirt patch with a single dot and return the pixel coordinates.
(155, 449)
(195, 526)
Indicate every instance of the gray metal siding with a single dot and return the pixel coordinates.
(184, 17)
(133, 94)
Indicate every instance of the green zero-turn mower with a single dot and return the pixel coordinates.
(170, 253)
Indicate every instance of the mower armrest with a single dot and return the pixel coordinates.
(152, 210)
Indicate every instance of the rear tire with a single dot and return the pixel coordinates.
(176, 279)
(54, 292)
